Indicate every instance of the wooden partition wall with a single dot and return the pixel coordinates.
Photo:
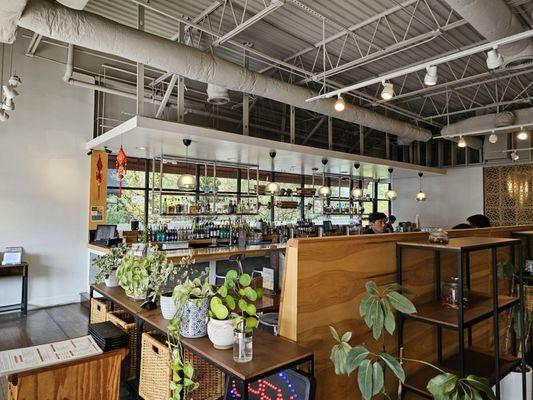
(324, 281)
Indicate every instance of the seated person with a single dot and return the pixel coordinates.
(479, 221)
(390, 222)
(378, 224)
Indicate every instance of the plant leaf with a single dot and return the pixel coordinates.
(250, 293)
(401, 303)
(335, 334)
(378, 379)
(355, 357)
(338, 357)
(393, 365)
(243, 305)
(365, 302)
(245, 280)
(395, 287)
(346, 337)
(364, 379)
(223, 291)
(442, 384)
(390, 322)
(377, 327)
(230, 301)
(370, 315)
(371, 287)
(480, 384)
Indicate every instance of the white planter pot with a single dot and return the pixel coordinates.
(221, 333)
(112, 281)
(511, 385)
(168, 308)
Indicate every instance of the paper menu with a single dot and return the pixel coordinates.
(26, 358)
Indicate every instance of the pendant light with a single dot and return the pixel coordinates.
(391, 193)
(493, 138)
(339, 104)
(187, 181)
(462, 142)
(388, 91)
(324, 191)
(431, 76)
(522, 135)
(272, 188)
(494, 59)
(421, 196)
(357, 192)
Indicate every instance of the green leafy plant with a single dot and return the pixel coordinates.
(108, 262)
(183, 372)
(377, 308)
(235, 299)
(136, 273)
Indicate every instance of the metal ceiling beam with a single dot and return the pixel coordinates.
(166, 97)
(205, 13)
(349, 30)
(34, 44)
(314, 130)
(445, 85)
(273, 6)
(422, 66)
(388, 51)
(484, 107)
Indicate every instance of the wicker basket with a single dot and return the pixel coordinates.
(125, 321)
(156, 373)
(99, 310)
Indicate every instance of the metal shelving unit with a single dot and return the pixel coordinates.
(468, 360)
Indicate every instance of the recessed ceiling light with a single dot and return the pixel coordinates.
(141, 148)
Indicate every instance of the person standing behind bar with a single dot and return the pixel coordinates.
(378, 224)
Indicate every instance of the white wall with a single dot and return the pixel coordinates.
(451, 198)
(44, 173)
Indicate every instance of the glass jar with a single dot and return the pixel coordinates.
(450, 293)
(242, 346)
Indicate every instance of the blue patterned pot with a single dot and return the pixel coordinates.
(193, 320)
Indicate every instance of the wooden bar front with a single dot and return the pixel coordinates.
(324, 282)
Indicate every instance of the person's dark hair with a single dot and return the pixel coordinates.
(463, 226)
(376, 216)
(392, 219)
(479, 221)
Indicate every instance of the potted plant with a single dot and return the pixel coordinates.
(107, 265)
(232, 313)
(377, 310)
(192, 303)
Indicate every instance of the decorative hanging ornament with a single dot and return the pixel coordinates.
(99, 176)
(121, 168)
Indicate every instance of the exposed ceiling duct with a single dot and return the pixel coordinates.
(494, 19)
(217, 94)
(10, 12)
(97, 33)
(76, 4)
(491, 122)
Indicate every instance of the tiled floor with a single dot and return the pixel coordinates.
(43, 326)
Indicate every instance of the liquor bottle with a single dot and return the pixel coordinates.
(165, 206)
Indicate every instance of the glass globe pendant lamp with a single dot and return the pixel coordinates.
(421, 196)
(391, 193)
(324, 191)
(272, 188)
(357, 192)
(187, 181)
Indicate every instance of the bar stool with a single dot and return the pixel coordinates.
(237, 258)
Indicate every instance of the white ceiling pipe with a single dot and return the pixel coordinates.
(485, 124)
(494, 19)
(10, 12)
(97, 33)
(76, 4)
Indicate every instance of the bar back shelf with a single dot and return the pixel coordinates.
(481, 306)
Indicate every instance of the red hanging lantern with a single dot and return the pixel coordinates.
(99, 176)
(121, 168)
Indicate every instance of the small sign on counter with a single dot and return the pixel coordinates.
(12, 256)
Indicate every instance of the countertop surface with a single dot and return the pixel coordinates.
(211, 253)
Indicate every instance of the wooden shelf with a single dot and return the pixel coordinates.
(457, 245)
(204, 215)
(479, 308)
(477, 362)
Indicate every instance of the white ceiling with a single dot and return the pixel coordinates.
(147, 138)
